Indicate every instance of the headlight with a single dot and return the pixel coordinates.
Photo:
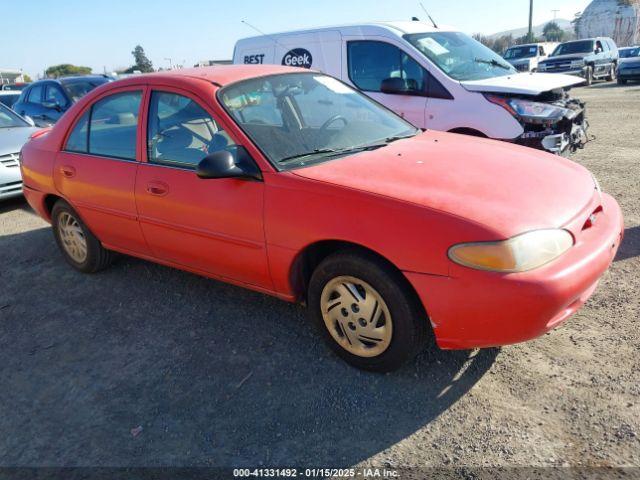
(518, 254)
(528, 111)
(577, 64)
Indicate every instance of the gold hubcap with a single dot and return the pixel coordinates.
(356, 316)
(72, 236)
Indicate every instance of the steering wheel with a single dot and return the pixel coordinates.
(334, 119)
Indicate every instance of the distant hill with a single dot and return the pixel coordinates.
(537, 30)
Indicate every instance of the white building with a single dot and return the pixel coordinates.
(8, 75)
(618, 19)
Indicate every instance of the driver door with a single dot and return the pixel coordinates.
(370, 62)
(212, 226)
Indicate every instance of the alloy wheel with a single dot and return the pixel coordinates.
(72, 236)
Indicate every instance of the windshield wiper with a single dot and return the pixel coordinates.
(492, 62)
(395, 138)
(333, 151)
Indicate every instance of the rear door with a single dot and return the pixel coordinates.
(97, 168)
(213, 226)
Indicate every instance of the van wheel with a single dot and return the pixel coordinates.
(366, 311)
(80, 248)
(589, 76)
(612, 73)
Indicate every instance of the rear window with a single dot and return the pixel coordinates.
(78, 88)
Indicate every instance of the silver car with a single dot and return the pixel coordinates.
(14, 132)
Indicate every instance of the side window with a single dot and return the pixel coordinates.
(113, 125)
(599, 46)
(371, 62)
(541, 51)
(54, 94)
(35, 94)
(78, 141)
(180, 132)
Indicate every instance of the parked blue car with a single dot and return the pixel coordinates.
(45, 101)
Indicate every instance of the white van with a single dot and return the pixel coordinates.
(525, 58)
(437, 78)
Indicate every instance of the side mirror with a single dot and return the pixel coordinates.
(224, 164)
(399, 86)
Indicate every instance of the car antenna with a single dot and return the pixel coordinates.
(425, 11)
(262, 33)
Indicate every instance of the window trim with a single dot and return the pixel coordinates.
(142, 89)
(429, 78)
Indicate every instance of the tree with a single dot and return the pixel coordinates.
(142, 63)
(65, 69)
(27, 78)
(552, 32)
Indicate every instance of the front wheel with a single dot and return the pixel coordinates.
(589, 76)
(621, 81)
(612, 73)
(80, 248)
(366, 311)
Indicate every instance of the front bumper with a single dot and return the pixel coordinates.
(475, 309)
(578, 72)
(10, 182)
(629, 73)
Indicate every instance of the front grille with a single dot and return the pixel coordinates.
(522, 68)
(10, 160)
(11, 187)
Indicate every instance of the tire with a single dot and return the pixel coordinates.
(621, 81)
(70, 232)
(401, 323)
(612, 73)
(589, 76)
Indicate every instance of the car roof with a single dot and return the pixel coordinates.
(219, 75)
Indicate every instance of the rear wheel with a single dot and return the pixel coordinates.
(80, 248)
(366, 311)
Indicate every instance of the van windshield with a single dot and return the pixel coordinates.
(460, 56)
(521, 52)
(299, 119)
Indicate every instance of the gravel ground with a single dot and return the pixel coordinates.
(215, 375)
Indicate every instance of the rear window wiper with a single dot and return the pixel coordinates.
(492, 62)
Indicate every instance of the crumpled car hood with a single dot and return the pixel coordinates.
(523, 83)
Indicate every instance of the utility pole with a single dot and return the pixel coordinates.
(530, 34)
(555, 14)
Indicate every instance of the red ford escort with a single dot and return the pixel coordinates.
(291, 183)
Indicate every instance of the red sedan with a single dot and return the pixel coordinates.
(291, 183)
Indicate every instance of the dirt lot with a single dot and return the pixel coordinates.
(219, 376)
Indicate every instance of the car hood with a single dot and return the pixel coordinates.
(507, 188)
(523, 83)
(12, 139)
(564, 58)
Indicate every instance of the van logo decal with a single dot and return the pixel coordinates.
(298, 57)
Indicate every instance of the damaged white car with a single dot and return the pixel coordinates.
(435, 77)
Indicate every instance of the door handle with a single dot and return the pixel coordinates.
(68, 171)
(158, 189)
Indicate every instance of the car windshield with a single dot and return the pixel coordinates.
(78, 88)
(460, 56)
(8, 119)
(299, 119)
(521, 52)
(584, 46)
(630, 52)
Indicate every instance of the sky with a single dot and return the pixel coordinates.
(102, 34)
